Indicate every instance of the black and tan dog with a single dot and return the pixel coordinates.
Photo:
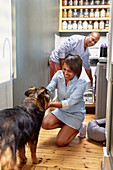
(21, 125)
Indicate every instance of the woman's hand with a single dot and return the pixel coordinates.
(55, 104)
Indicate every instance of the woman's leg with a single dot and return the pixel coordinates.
(51, 122)
(66, 135)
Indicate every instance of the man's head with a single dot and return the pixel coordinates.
(91, 39)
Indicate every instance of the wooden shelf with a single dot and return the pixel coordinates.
(89, 104)
(87, 7)
(78, 30)
(83, 19)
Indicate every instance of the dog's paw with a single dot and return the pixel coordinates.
(37, 160)
(23, 160)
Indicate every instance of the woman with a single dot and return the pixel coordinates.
(70, 108)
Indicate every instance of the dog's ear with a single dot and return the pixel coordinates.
(30, 91)
(41, 91)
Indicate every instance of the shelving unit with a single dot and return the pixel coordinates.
(61, 19)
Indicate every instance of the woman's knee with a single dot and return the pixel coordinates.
(60, 142)
(46, 124)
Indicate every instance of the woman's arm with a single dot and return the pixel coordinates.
(55, 104)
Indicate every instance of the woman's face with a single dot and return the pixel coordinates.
(67, 72)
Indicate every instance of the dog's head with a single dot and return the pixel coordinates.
(41, 96)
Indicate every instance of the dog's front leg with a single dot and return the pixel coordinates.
(33, 145)
(22, 157)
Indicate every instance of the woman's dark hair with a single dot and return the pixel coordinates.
(75, 63)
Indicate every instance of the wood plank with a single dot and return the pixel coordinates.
(80, 154)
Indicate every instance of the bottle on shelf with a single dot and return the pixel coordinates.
(70, 13)
(101, 25)
(64, 25)
(85, 25)
(97, 2)
(81, 13)
(91, 14)
(70, 3)
(96, 25)
(103, 2)
(75, 2)
(64, 13)
(90, 25)
(81, 2)
(86, 13)
(102, 13)
(86, 2)
(106, 24)
(108, 2)
(64, 3)
(107, 12)
(80, 25)
(74, 24)
(92, 2)
(75, 13)
(70, 26)
(97, 13)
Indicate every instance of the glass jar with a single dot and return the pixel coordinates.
(103, 2)
(96, 25)
(102, 13)
(64, 3)
(101, 25)
(65, 13)
(70, 13)
(108, 2)
(70, 2)
(97, 2)
(91, 14)
(86, 13)
(107, 12)
(97, 13)
(85, 25)
(75, 25)
(70, 26)
(106, 24)
(80, 25)
(90, 25)
(81, 13)
(92, 2)
(86, 2)
(75, 2)
(81, 2)
(64, 25)
(75, 13)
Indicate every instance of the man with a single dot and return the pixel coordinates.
(75, 44)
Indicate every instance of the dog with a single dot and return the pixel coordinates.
(21, 125)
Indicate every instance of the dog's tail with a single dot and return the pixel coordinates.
(7, 152)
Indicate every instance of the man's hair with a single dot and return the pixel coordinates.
(75, 63)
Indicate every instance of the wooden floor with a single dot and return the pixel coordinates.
(80, 154)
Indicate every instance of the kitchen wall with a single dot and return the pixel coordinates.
(36, 26)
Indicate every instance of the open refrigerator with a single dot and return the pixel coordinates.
(108, 150)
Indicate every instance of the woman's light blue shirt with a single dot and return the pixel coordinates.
(71, 96)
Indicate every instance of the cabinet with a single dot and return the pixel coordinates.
(82, 18)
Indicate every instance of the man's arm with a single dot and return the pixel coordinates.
(89, 73)
(61, 62)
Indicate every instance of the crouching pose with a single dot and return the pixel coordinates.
(70, 108)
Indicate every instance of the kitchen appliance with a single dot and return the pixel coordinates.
(103, 53)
